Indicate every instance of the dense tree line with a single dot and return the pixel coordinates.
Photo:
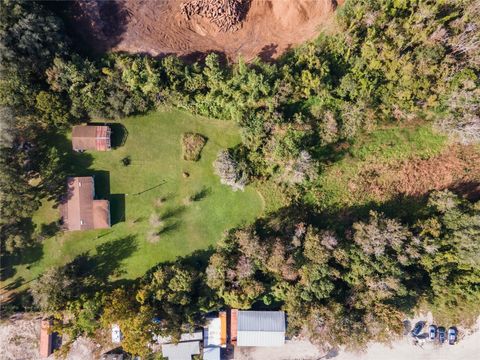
(351, 287)
(338, 287)
(387, 61)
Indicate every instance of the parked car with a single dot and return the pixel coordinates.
(452, 336)
(432, 332)
(417, 330)
(441, 334)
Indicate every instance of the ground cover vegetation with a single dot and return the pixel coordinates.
(192, 146)
(403, 65)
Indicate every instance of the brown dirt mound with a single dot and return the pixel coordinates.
(158, 27)
(457, 168)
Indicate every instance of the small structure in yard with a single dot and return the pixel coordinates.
(79, 210)
(181, 351)
(46, 338)
(260, 328)
(215, 336)
(116, 334)
(188, 346)
(91, 137)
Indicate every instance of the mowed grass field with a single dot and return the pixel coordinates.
(153, 219)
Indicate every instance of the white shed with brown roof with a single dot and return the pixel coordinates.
(79, 210)
(91, 137)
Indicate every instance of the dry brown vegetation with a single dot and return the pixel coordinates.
(192, 145)
(457, 167)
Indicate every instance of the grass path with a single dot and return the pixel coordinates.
(133, 245)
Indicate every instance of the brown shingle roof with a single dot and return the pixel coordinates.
(79, 210)
(91, 138)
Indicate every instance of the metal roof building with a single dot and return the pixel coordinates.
(181, 351)
(261, 328)
(212, 353)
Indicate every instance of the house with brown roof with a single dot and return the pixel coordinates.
(46, 338)
(79, 210)
(91, 137)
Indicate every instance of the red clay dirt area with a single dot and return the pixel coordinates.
(264, 28)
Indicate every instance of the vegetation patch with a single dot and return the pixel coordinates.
(455, 167)
(192, 145)
(357, 177)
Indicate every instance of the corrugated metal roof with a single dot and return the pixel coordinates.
(194, 336)
(261, 321)
(211, 353)
(181, 351)
(261, 328)
(260, 338)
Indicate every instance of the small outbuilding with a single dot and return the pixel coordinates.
(215, 336)
(79, 210)
(181, 351)
(46, 338)
(91, 137)
(261, 328)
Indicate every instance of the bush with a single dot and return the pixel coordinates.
(192, 145)
(229, 171)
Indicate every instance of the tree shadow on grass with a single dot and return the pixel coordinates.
(106, 262)
(119, 135)
(173, 212)
(169, 228)
(198, 260)
(203, 193)
(27, 256)
(406, 208)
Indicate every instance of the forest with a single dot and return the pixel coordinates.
(342, 279)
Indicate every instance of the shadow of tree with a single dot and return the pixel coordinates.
(98, 268)
(173, 212)
(27, 255)
(119, 134)
(96, 26)
(268, 51)
(169, 228)
(203, 193)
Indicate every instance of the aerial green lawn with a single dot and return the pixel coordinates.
(154, 218)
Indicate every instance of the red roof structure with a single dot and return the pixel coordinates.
(80, 211)
(46, 339)
(91, 137)
(233, 326)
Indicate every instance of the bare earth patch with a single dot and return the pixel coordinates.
(158, 27)
(458, 168)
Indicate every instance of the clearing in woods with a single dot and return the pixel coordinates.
(158, 212)
(264, 28)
